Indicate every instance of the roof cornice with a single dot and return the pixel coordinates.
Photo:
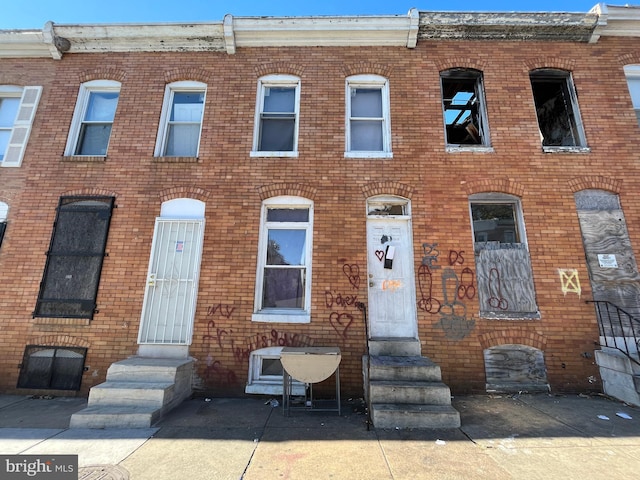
(342, 31)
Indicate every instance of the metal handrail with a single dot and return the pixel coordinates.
(363, 308)
(613, 322)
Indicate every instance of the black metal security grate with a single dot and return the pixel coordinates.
(74, 261)
(52, 368)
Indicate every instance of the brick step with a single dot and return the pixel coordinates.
(147, 394)
(115, 416)
(409, 392)
(414, 416)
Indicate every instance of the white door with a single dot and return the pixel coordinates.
(392, 297)
(172, 282)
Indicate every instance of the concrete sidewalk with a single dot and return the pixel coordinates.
(501, 437)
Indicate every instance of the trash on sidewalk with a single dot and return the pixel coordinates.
(603, 417)
(440, 442)
(624, 415)
(273, 402)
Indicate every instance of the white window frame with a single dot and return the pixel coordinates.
(501, 199)
(19, 136)
(632, 74)
(167, 104)
(264, 83)
(81, 109)
(469, 74)
(257, 383)
(369, 81)
(283, 315)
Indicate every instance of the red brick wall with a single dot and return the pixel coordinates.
(233, 185)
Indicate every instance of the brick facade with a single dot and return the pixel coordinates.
(232, 184)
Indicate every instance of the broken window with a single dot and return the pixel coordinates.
(4, 209)
(69, 284)
(503, 265)
(557, 108)
(464, 107)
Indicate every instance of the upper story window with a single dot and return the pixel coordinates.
(463, 105)
(17, 110)
(277, 116)
(632, 72)
(283, 277)
(368, 124)
(181, 121)
(556, 104)
(4, 209)
(93, 118)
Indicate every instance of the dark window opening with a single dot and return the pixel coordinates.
(52, 368)
(463, 105)
(556, 108)
(3, 227)
(74, 261)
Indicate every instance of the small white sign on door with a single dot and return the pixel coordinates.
(607, 260)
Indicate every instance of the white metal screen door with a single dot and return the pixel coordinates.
(392, 304)
(172, 282)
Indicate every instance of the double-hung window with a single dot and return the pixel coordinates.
(277, 114)
(93, 118)
(503, 266)
(632, 73)
(17, 111)
(181, 121)
(283, 277)
(368, 125)
(557, 109)
(464, 109)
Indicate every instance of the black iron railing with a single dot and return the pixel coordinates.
(618, 328)
(363, 308)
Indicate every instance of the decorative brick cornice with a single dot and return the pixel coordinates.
(184, 192)
(363, 68)
(387, 188)
(501, 185)
(274, 68)
(282, 189)
(596, 182)
(513, 336)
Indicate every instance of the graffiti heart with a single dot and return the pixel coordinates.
(341, 322)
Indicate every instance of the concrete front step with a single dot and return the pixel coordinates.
(414, 416)
(148, 394)
(395, 346)
(147, 369)
(115, 416)
(409, 392)
(404, 368)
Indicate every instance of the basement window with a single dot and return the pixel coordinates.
(265, 373)
(464, 109)
(557, 110)
(52, 368)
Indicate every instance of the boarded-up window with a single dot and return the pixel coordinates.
(503, 266)
(515, 368)
(55, 368)
(74, 261)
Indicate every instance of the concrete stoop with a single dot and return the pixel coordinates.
(620, 376)
(407, 392)
(137, 393)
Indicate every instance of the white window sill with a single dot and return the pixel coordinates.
(258, 154)
(549, 149)
(368, 154)
(469, 148)
(279, 316)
